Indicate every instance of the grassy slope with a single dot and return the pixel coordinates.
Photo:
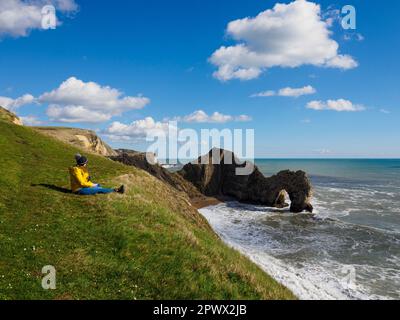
(147, 244)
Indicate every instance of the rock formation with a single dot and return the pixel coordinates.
(139, 160)
(219, 178)
(213, 175)
(81, 138)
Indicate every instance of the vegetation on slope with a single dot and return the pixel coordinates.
(147, 244)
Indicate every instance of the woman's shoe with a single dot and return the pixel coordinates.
(121, 189)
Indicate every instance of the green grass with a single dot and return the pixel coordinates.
(147, 244)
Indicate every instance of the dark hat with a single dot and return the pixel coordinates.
(77, 156)
(81, 161)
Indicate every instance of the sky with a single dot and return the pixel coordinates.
(287, 69)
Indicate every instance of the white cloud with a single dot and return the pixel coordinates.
(385, 111)
(268, 93)
(296, 92)
(323, 151)
(31, 121)
(289, 35)
(335, 105)
(286, 92)
(72, 114)
(200, 116)
(13, 104)
(138, 130)
(78, 101)
(243, 118)
(331, 15)
(65, 5)
(19, 17)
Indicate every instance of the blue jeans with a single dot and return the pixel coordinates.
(94, 190)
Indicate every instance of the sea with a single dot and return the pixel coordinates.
(349, 248)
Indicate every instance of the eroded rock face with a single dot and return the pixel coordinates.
(140, 160)
(81, 138)
(93, 143)
(9, 116)
(219, 178)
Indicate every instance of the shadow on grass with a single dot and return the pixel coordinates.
(52, 187)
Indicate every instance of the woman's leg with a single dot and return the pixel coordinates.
(94, 190)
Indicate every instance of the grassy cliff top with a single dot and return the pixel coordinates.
(148, 244)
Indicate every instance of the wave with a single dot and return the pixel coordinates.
(313, 255)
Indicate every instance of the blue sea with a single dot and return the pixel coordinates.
(349, 248)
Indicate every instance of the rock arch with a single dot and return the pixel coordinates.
(220, 179)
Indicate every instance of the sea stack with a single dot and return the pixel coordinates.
(214, 174)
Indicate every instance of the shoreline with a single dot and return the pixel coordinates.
(205, 201)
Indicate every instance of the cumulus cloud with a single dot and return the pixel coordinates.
(72, 114)
(19, 17)
(139, 129)
(78, 101)
(289, 35)
(13, 104)
(335, 105)
(200, 116)
(31, 121)
(287, 92)
(332, 15)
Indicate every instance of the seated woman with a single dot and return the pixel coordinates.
(80, 180)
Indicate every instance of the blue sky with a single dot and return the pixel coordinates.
(161, 50)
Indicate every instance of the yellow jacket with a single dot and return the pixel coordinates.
(79, 178)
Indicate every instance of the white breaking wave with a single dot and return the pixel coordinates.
(297, 250)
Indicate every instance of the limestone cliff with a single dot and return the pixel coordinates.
(81, 138)
(6, 115)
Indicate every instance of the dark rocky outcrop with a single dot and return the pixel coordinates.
(219, 178)
(139, 160)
